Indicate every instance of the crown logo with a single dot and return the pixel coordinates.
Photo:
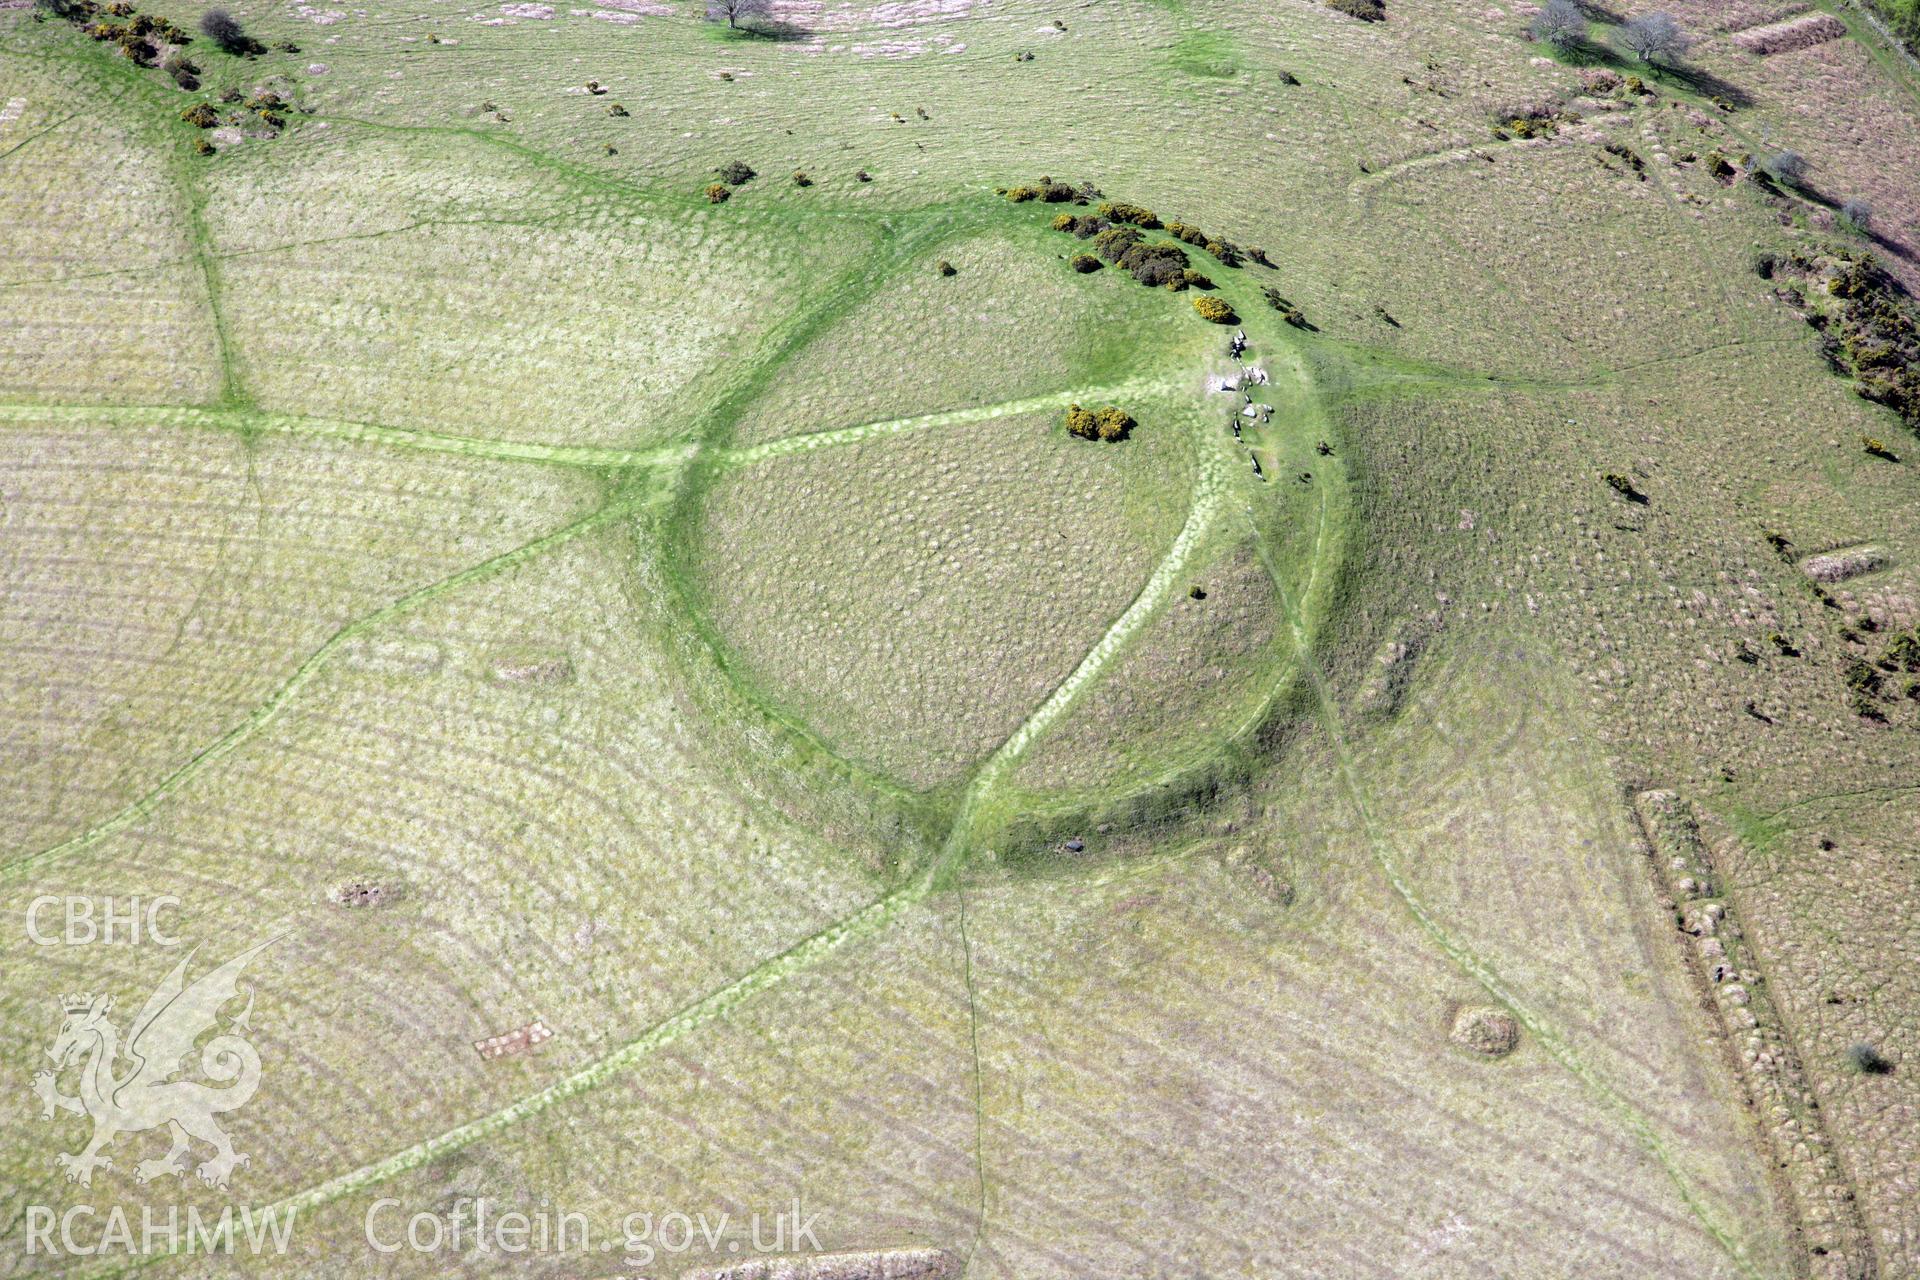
(77, 1003)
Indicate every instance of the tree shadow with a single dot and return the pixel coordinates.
(770, 30)
(1833, 204)
(1589, 52)
(1701, 81)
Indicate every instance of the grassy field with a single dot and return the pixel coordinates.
(455, 527)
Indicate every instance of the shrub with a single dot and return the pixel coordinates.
(1055, 192)
(202, 147)
(1156, 271)
(1108, 424)
(736, 172)
(1082, 226)
(719, 193)
(1112, 243)
(861, 175)
(1155, 264)
(1560, 24)
(1903, 654)
(946, 268)
(1213, 309)
(201, 115)
(226, 32)
(1624, 487)
(1121, 211)
(1085, 263)
(1786, 166)
(184, 73)
(1226, 251)
(1717, 166)
(1857, 214)
(616, 110)
(1365, 10)
(800, 179)
(1020, 195)
(1655, 37)
(1864, 1058)
(1194, 280)
(1288, 312)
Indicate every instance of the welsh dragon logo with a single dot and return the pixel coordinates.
(132, 1088)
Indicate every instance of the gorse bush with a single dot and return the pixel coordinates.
(719, 193)
(736, 172)
(1115, 241)
(1227, 252)
(1154, 264)
(1213, 309)
(1120, 211)
(1084, 263)
(1365, 10)
(201, 115)
(1109, 424)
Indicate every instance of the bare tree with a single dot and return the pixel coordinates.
(1655, 37)
(735, 12)
(1788, 168)
(1560, 24)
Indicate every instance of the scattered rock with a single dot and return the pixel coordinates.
(557, 669)
(516, 1041)
(1485, 1029)
(1850, 562)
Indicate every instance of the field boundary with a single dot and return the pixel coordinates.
(1829, 1229)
